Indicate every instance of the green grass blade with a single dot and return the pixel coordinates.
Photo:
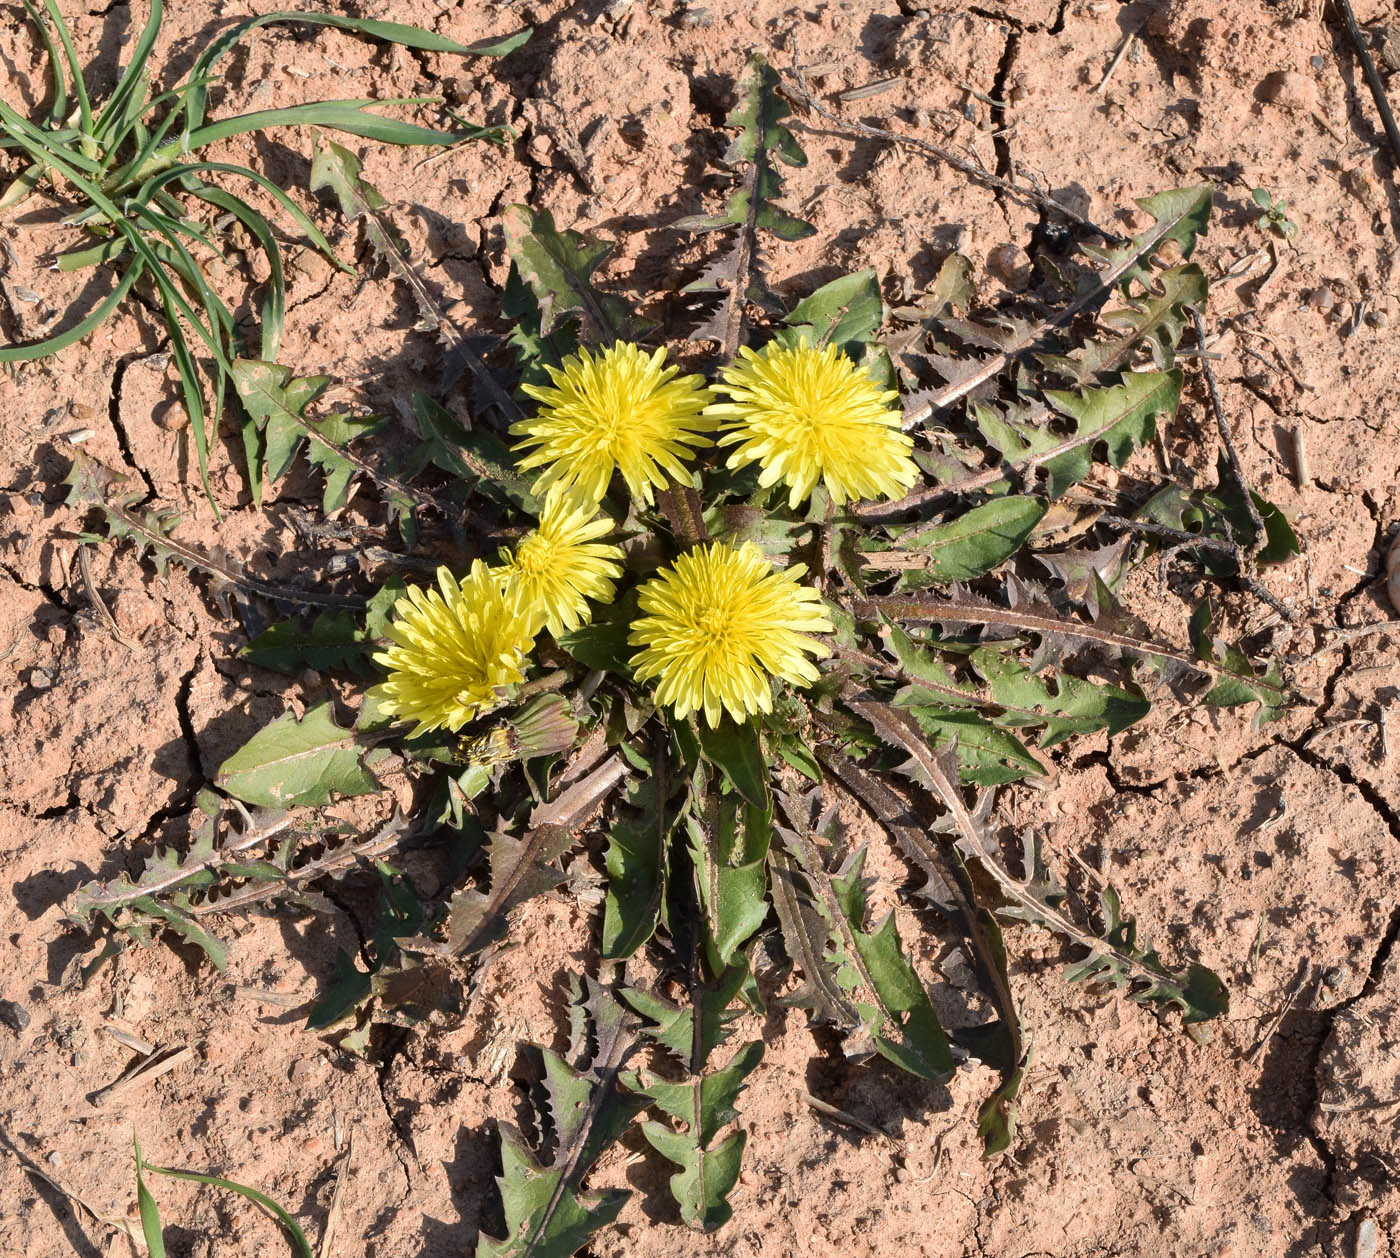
(61, 341)
(59, 110)
(252, 1194)
(171, 299)
(294, 211)
(183, 263)
(146, 1205)
(45, 146)
(389, 32)
(94, 255)
(75, 70)
(147, 140)
(351, 116)
(274, 307)
(119, 110)
(21, 186)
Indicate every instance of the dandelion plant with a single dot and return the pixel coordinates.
(714, 614)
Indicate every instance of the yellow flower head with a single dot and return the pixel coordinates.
(560, 565)
(807, 415)
(718, 623)
(619, 410)
(452, 648)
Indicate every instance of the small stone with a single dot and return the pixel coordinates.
(1009, 263)
(14, 1015)
(301, 1070)
(1378, 319)
(55, 1158)
(1288, 89)
(1321, 299)
(41, 678)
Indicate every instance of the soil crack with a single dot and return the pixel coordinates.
(1001, 145)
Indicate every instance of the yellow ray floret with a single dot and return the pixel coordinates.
(806, 415)
(453, 647)
(619, 410)
(560, 565)
(719, 624)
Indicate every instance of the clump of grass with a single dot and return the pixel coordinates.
(131, 172)
(817, 572)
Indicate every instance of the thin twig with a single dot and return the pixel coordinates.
(850, 1120)
(1187, 540)
(1350, 635)
(159, 1063)
(1373, 80)
(1245, 558)
(98, 605)
(1118, 56)
(802, 93)
(1292, 994)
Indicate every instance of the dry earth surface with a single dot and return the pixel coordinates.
(1272, 855)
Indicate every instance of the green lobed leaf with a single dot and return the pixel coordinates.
(763, 137)
(974, 543)
(846, 313)
(1121, 418)
(535, 350)
(691, 1032)
(1198, 992)
(477, 456)
(1238, 681)
(293, 762)
(703, 1105)
(986, 755)
(1073, 706)
(548, 1214)
(902, 1021)
(558, 266)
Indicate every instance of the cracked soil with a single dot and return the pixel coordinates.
(1271, 855)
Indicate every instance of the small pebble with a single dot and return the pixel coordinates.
(14, 1015)
(55, 1158)
(301, 1070)
(1321, 299)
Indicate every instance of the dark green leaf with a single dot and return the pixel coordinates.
(634, 862)
(294, 762)
(846, 313)
(704, 1105)
(733, 747)
(974, 543)
(729, 844)
(558, 266)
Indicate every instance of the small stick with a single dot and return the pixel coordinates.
(333, 1214)
(157, 1064)
(804, 96)
(100, 607)
(850, 1120)
(1373, 79)
(1123, 46)
(1293, 989)
(876, 88)
(1300, 457)
(133, 1042)
(1223, 426)
(1350, 635)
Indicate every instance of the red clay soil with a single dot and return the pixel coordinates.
(1271, 855)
